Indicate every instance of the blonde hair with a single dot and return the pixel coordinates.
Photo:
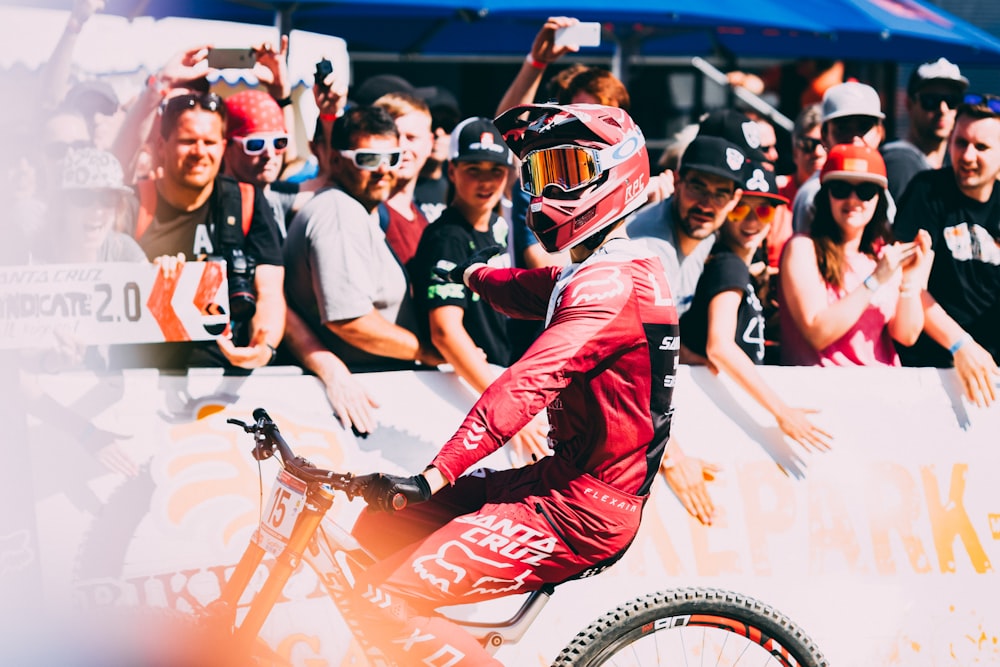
(399, 104)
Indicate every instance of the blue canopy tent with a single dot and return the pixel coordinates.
(875, 30)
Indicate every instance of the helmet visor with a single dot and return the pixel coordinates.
(571, 167)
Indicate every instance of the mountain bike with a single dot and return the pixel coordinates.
(672, 627)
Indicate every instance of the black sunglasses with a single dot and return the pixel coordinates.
(808, 144)
(173, 107)
(932, 101)
(991, 102)
(865, 190)
(57, 150)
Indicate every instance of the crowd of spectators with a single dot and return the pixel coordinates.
(867, 252)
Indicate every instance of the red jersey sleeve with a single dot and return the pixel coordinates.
(583, 333)
(519, 293)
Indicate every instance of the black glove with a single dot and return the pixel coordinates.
(457, 274)
(387, 493)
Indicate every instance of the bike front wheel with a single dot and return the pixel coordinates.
(696, 626)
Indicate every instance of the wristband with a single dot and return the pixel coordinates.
(274, 354)
(958, 344)
(329, 117)
(537, 64)
(872, 283)
(284, 101)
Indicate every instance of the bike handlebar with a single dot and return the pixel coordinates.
(268, 440)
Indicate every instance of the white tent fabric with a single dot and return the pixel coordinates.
(110, 45)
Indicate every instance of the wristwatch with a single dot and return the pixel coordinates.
(872, 283)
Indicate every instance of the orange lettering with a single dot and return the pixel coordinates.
(893, 500)
(950, 520)
(769, 504)
(830, 529)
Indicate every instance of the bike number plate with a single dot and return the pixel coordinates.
(287, 499)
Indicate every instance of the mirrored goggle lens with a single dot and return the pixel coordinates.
(372, 160)
(764, 212)
(256, 145)
(567, 168)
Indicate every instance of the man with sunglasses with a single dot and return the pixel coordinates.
(959, 205)
(852, 114)
(681, 229)
(934, 91)
(256, 143)
(193, 212)
(351, 293)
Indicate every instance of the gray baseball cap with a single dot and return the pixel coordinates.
(851, 99)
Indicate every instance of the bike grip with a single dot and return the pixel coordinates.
(261, 413)
(398, 501)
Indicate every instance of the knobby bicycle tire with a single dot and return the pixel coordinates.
(645, 631)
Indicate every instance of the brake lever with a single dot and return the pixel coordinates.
(242, 424)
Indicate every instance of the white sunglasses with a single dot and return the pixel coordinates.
(371, 160)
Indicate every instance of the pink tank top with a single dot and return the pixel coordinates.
(867, 343)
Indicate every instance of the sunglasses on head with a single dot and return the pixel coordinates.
(932, 101)
(991, 102)
(764, 212)
(372, 160)
(865, 190)
(255, 145)
(172, 107)
(808, 144)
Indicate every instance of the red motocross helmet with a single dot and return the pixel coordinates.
(585, 167)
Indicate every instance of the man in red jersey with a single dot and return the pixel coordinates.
(603, 367)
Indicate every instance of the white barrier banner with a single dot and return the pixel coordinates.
(111, 303)
(881, 549)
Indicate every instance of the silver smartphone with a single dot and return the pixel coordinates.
(580, 34)
(231, 58)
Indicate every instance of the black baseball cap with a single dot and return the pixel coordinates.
(376, 86)
(716, 156)
(477, 139)
(734, 126)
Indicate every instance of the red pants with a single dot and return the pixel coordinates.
(490, 534)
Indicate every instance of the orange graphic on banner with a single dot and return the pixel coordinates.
(211, 279)
(160, 307)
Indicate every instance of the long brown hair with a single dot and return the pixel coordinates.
(828, 237)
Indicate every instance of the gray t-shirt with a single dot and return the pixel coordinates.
(655, 225)
(339, 267)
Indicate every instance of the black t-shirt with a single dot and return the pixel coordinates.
(192, 232)
(965, 275)
(724, 271)
(448, 242)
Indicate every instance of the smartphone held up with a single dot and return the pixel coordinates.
(584, 33)
(232, 58)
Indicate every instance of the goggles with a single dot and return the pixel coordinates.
(989, 101)
(371, 160)
(866, 190)
(764, 212)
(256, 144)
(571, 167)
(932, 101)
